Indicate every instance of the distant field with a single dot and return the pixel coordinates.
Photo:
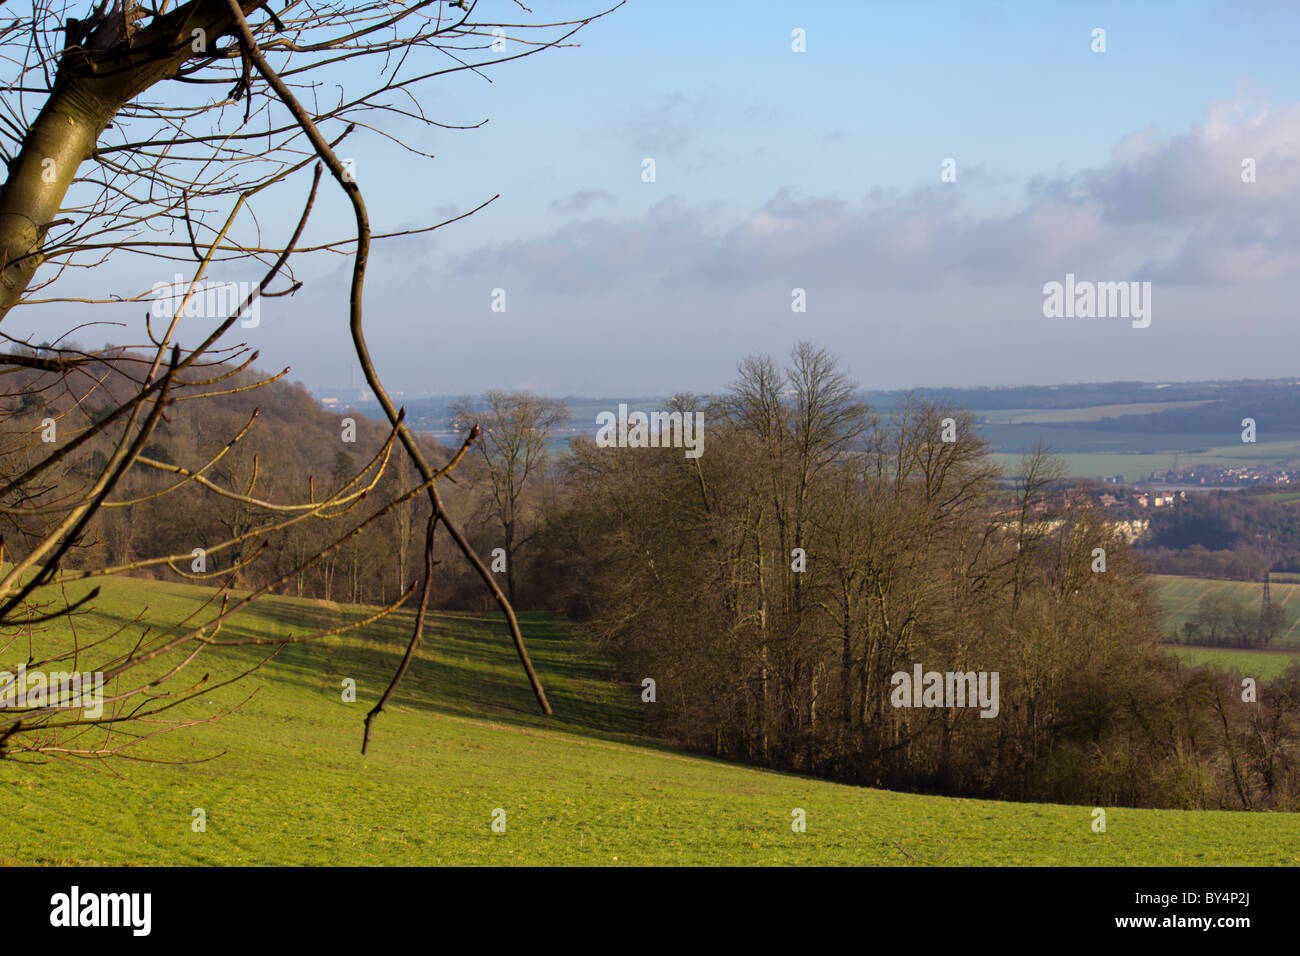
(1086, 453)
(464, 739)
(1258, 664)
(1135, 466)
(1180, 595)
(1091, 413)
(583, 416)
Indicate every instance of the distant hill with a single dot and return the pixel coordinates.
(1221, 403)
(1100, 430)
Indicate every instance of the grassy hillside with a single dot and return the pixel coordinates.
(464, 740)
(1180, 596)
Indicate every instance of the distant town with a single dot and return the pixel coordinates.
(1211, 477)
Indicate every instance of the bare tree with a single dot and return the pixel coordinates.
(157, 130)
(516, 429)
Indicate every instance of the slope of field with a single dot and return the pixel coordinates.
(464, 740)
(1181, 595)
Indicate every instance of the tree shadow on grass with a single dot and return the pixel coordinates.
(466, 665)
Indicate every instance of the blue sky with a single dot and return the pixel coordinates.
(821, 170)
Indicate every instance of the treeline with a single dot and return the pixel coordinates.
(773, 588)
(1225, 621)
(1232, 535)
(1274, 406)
(1239, 564)
(258, 451)
(1083, 395)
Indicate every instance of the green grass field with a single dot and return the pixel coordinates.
(1181, 595)
(465, 739)
(1263, 665)
(1136, 465)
